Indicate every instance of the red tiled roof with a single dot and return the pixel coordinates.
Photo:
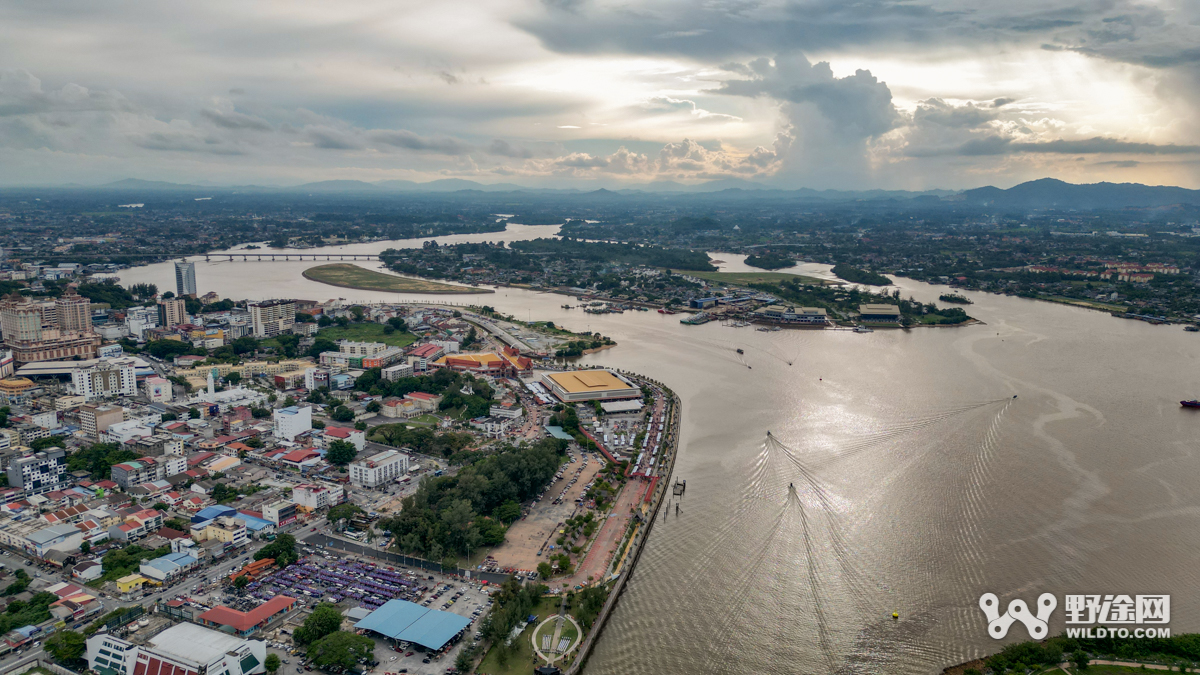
(299, 455)
(338, 432)
(421, 395)
(244, 621)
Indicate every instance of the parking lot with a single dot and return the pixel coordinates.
(536, 532)
(320, 574)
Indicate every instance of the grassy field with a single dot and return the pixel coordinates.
(367, 332)
(520, 660)
(1090, 304)
(744, 278)
(347, 275)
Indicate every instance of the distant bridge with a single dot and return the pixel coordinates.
(247, 257)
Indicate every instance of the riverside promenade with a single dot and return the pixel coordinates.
(661, 489)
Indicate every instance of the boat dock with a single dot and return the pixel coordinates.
(679, 486)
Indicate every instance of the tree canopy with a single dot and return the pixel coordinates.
(324, 620)
(340, 649)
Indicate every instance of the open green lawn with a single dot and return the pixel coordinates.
(745, 278)
(367, 332)
(347, 275)
(520, 659)
(426, 419)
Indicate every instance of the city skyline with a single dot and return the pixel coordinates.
(582, 93)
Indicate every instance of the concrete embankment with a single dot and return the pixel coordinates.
(643, 533)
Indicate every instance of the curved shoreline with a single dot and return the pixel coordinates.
(466, 290)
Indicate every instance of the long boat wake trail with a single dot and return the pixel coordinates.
(790, 532)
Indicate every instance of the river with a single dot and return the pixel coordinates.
(919, 482)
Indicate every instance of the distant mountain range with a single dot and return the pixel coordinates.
(1053, 193)
(1046, 193)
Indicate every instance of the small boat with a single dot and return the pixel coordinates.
(740, 351)
(1190, 404)
(1192, 329)
(863, 329)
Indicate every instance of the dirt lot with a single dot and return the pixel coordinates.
(525, 537)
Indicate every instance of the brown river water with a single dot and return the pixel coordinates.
(900, 475)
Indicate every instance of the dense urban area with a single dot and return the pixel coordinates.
(265, 485)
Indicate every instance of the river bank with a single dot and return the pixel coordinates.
(343, 275)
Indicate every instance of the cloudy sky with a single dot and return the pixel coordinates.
(792, 93)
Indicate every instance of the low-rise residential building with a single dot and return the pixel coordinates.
(355, 437)
(136, 472)
(282, 512)
(398, 371)
(168, 566)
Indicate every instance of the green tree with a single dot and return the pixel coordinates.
(341, 453)
(67, 647)
(340, 511)
(544, 569)
(340, 649)
(507, 512)
(234, 377)
(342, 414)
(1080, 659)
(85, 548)
(193, 414)
(324, 620)
(464, 660)
(177, 524)
(272, 663)
(360, 426)
(283, 550)
(48, 442)
(254, 442)
(241, 582)
(374, 407)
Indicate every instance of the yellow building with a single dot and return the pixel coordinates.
(127, 584)
(590, 385)
(198, 377)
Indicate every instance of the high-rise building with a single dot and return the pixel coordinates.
(73, 312)
(185, 278)
(33, 332)
(272, 317)
(379, 469)
(107, 377)
(171, 312)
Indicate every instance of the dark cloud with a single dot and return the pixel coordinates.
(235, 120)
(1121, 164)
(330, 139)
(1001, 102)
(502, 148)
(181, 142)
(448, 77)
(998, 145)
(936, 111)
(411, 141)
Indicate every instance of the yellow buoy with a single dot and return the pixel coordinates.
(895, 615)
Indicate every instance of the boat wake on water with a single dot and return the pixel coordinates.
(803, 552)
